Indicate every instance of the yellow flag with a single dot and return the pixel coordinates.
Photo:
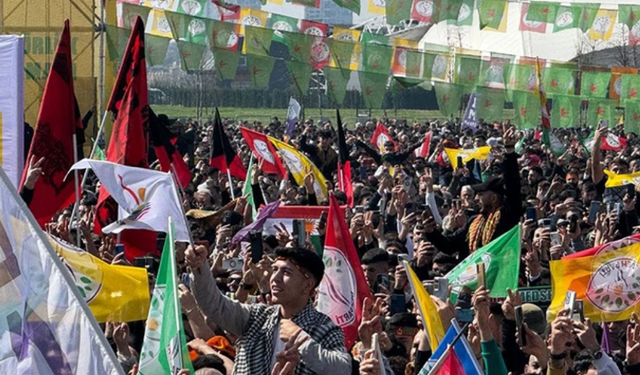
(277, 2)
(608, 283)
(299, 166)
(602, 27)
(428, 311)
(480, 153)
(406, 43)
(113, 293)
(159, 24)
(252, 17)
(343, 33)
(615, 180)
(377, 6)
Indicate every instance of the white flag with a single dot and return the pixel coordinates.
(146, 197)
(46, 327)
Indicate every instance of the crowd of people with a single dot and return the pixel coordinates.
(263, 319)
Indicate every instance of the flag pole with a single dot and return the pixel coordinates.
(174, 269)
(184, 215)
(233, 196)
(443, 357)
(77, 192)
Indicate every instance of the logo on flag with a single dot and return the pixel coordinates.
(263, 150)
(613, 287)
(340, 288)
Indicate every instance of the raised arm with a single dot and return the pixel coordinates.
(371, 151)
(597, 171)
(511, 176)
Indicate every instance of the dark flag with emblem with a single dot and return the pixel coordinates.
(344, 165)
(128, 145)
(58, 120)
(223, 157)
(167, 154)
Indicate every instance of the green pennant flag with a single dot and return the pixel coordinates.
(587, 143)
(448, 96)
(489, 103)
(193, 7)
(370, 38)
(501, 272)
(300, 76)
(257, 40)
(164, 348)
(402, 83)
(465, 13)
(632, 116)
(523, 77)
(299, 46)
(99, 155)
(337, 80)
(589, 13)
(341, 52)
(601, 109)
(491, 13)
(630, 87)
(247, 191)
(260, 68)
(117, 39)
(376, 58)
(448, 10)
(187, 28)
(191, 55)
(558, 80)
(595, 84)
(552, 142)
(568, 17)
(352, 5)
(373, 87)
(224, 34)
(526, 108)
(397, 10)
(467, 71)
(435, 65)
(280, 23)
(565, 112)
(155, 49)
(131, 12)
(496, 71)
(628, 15)
(226, 62)
(542, 11)
(413, 63)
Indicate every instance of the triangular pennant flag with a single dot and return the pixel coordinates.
(156, 49)
(191, 54)
(226, 62)
(373, 87)
(490, 103)
(595, 84)
(257, 40)
(376, 58)
(260, 68)
(526, 107)
(448, 96)
(565, 112)
(300, 76)
(337, 80)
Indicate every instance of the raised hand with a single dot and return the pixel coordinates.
(33, 172)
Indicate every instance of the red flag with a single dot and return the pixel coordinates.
(263, 149)
(613, 143)
(423, 151)
(344, 165)
(313, 28)
(609, 246)
(343, 288)
(380, 136)
(448, 365)
(53, 137)
(223, 156)
(422, 11)
(228, 12)
(166, 152)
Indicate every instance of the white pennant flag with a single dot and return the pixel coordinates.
(146, 197)
(46, 327)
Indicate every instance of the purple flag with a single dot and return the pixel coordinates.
(293, 114)
(605, 344)
(470, 120)
(266, 212)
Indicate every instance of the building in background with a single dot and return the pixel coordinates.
(330, 13)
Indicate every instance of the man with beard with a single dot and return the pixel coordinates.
(500, 209)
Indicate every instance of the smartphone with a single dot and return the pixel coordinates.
(460, 163)
(359, 209)
(119, 249)
(570, 301)
(257, 247)
(383, 281)
(482, 276)
(363, 172)
(443, 288)
(545, 223)
(522, 337)
(555, 238)
(578, 311)
(594, 209)
(532, 213)
(323, 220)
(298, 228)
(234, 264)
(618, 207)
(397, 304)
(631, 190)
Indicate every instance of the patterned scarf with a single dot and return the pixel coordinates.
(483, 226)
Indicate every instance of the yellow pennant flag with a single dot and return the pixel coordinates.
(343, 33)
(159, 24)
(252, 17)
(406, 43)
(602, 27)
(616, 180)
(299, 166)
(377, 7)
(113, 293)
(608, 283)
(428, 311)
(480, 153)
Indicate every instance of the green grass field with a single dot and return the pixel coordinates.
(265, 114)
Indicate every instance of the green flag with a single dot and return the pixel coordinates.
(632, 116)
(260, 68)
(491, 13)
(191, 55)
(595, 84)
(341, 52)
(448, 10)
(490, 103)
(226, 62)
(467, 71)
(280, 23)
(565, 112)
(193, 7)
(589, 13)
(155, 49)
(496, 71)
(187, 28)
(300, 76)
(131, 12)
(257, 40)
(373, 87)
(164, 349)
(99, 155)
(465, 14)
(523, 77)
(542, 11)
(500, 268)
(224, 34)
(117, 39)
(435, 65)
(552, 142)
(628, 15)
(376, 58)
(413, 63)
(558, 80)
(448, 96)
(247, 191)
(630, 87)
(568, 17)
(526, 108)
(299, 46)
(337, 80)
(401, 83)
(601, 109)
(352, 5)
(370, 38)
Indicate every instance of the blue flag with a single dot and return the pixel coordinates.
(293, 114)
(461, 349)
